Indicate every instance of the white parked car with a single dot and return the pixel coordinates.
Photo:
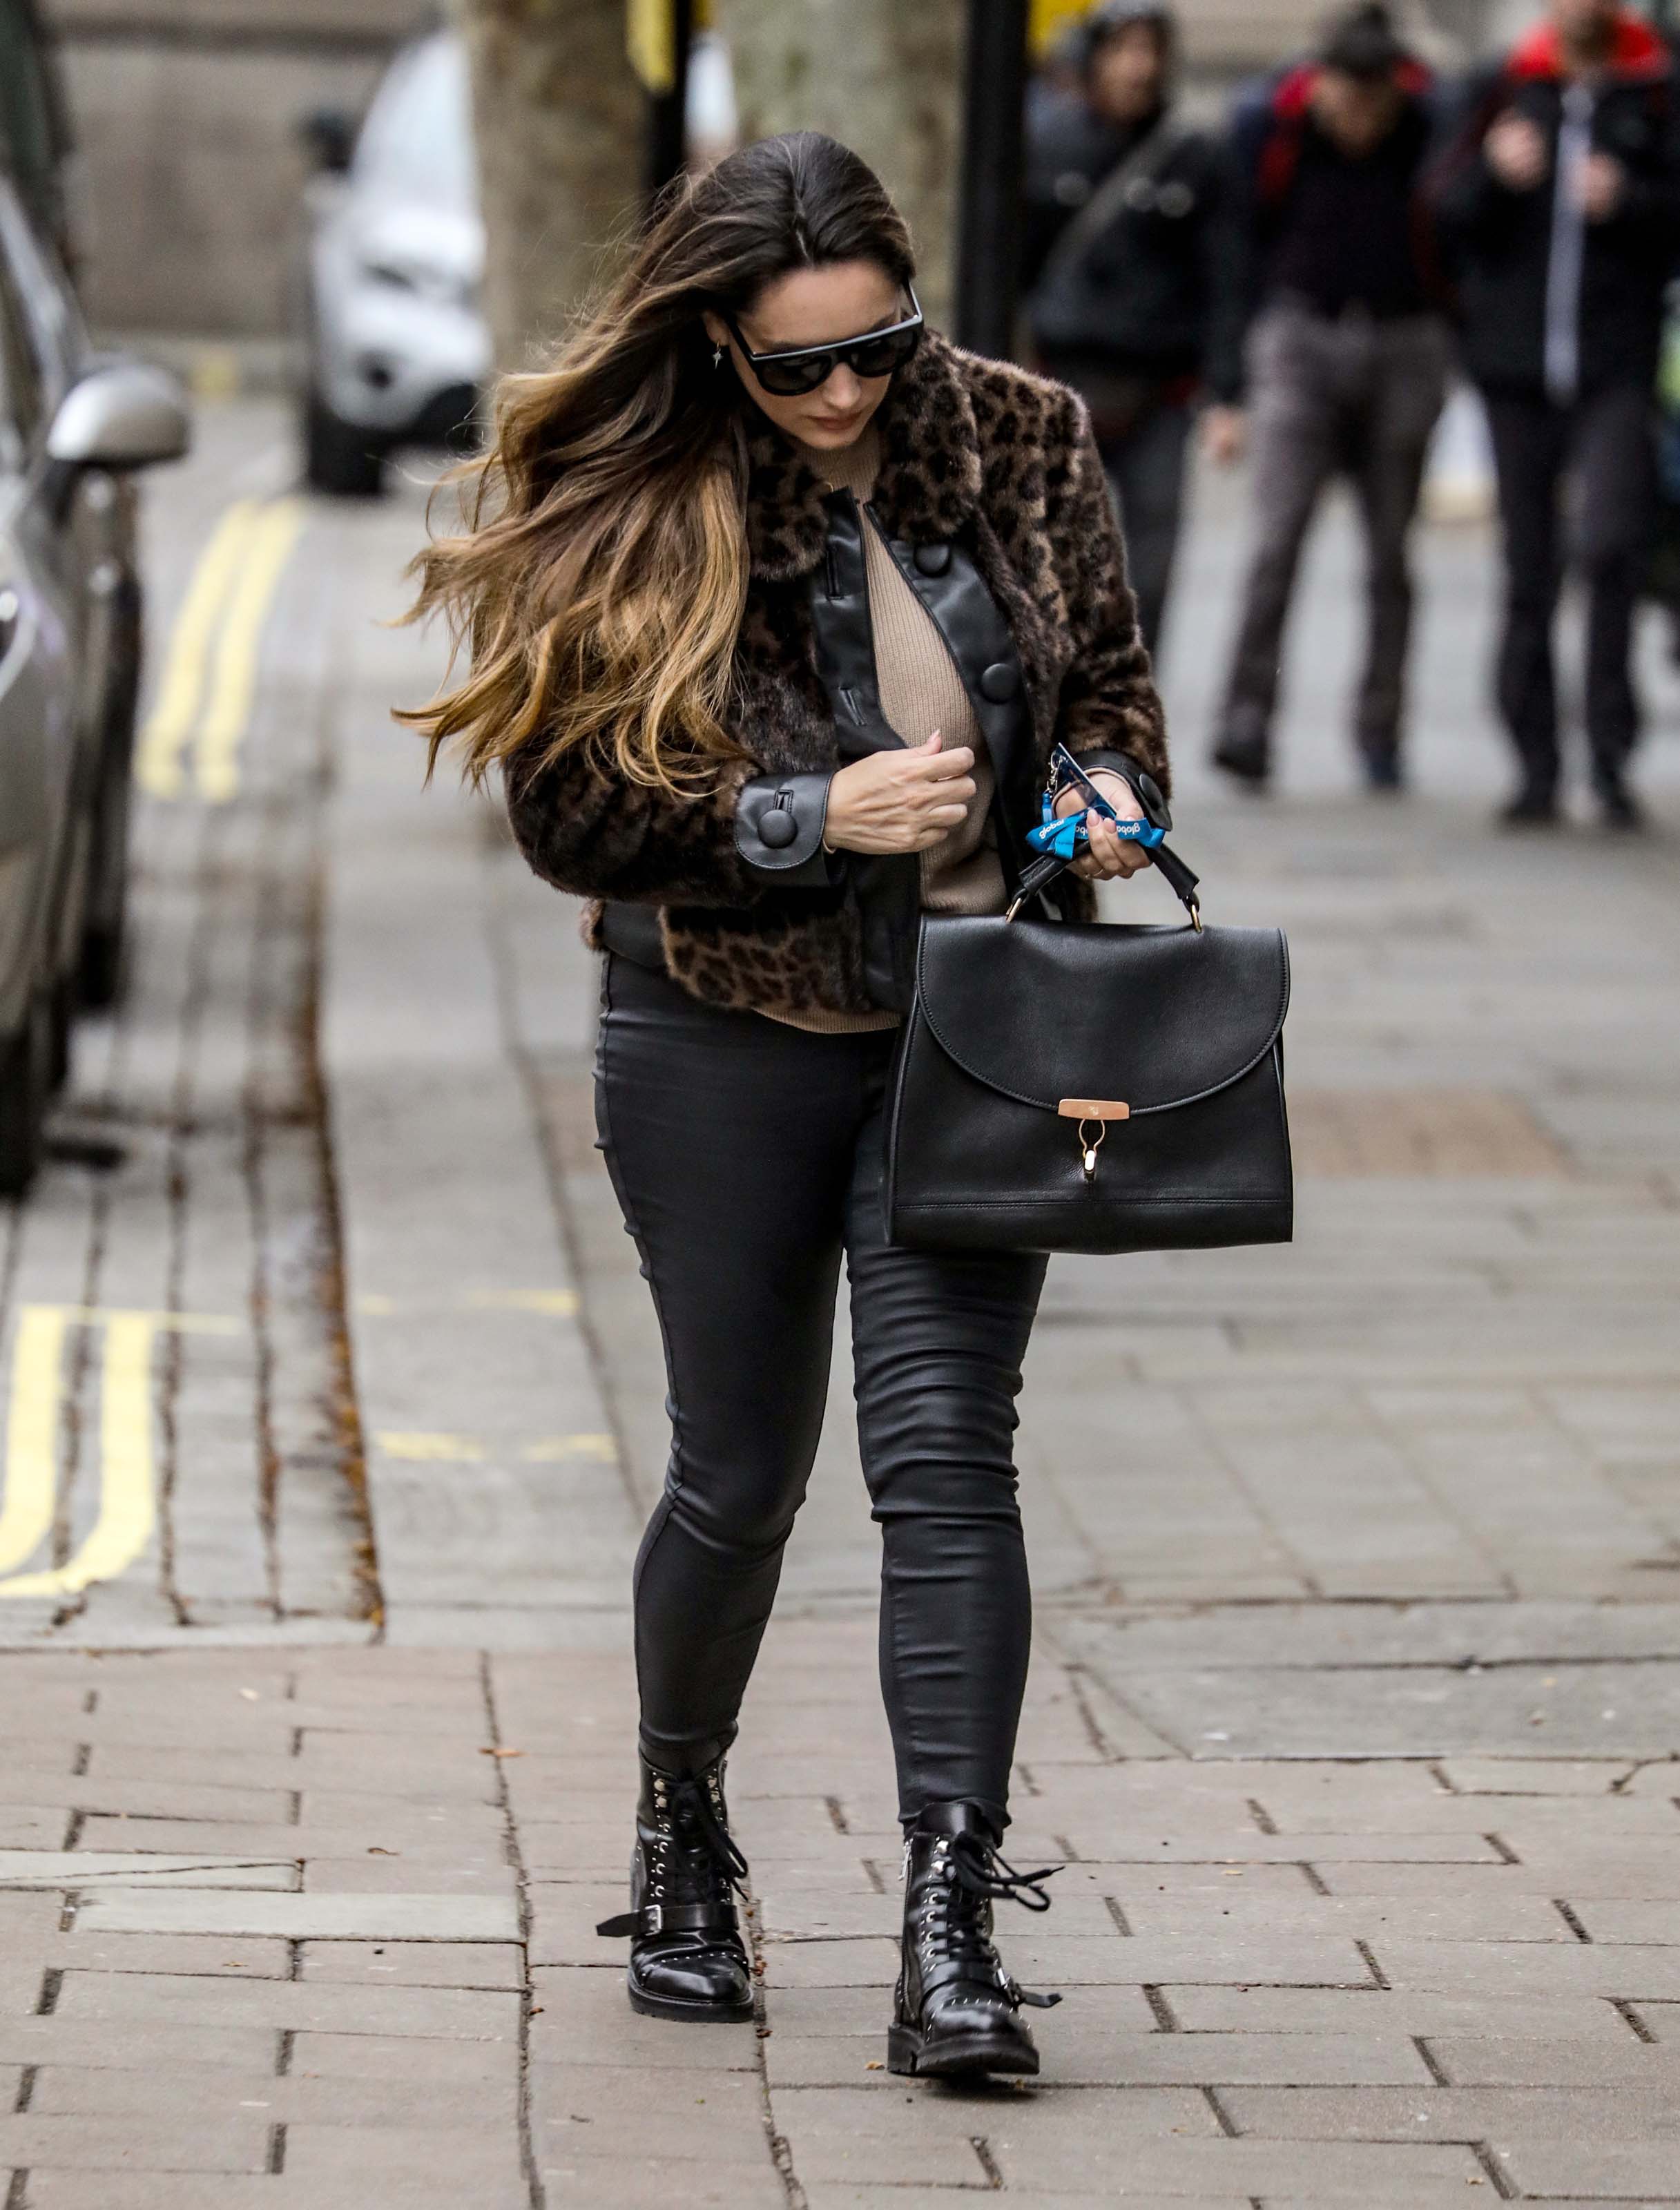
(396, 347)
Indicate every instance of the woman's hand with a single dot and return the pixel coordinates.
(1224, 434)
(900, 801)
(1109, 856)
(1516, 152)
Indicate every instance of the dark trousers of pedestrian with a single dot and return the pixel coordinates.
(1604, 441)
(748, 1159)
(1146, 472)
(1347, 395)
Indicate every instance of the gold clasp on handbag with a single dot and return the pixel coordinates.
(1086, 1110)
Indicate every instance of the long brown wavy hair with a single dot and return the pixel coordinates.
(599, 579)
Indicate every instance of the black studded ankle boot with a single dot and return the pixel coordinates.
(687, 1957)
(956, 2008)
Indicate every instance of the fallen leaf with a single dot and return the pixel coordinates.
(874, 2065)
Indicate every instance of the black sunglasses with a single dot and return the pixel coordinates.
(877, 352)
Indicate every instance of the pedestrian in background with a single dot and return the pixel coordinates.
(1124, 256)
(1333, 345)
(1559, 198)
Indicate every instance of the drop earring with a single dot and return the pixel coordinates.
(717, 356)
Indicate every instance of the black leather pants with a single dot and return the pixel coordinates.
(747, 1156)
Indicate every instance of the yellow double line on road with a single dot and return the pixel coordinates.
(128, 1499)
(210, 678)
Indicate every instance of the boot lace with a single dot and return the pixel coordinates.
(957, 1925)
(704, 1845)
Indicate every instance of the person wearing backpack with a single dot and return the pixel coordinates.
(1124, 254)
(1331, 355)
(1559, 200)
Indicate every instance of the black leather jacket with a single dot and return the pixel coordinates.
(779, 818)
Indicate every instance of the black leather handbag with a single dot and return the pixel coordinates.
(1079, 1086)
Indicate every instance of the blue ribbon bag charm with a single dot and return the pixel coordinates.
(1070, 835)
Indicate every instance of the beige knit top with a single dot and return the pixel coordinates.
(920, 691)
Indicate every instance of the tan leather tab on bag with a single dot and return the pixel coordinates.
(1095, 1108)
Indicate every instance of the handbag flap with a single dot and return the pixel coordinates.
(1152, 1018)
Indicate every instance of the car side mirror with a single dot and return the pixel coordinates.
(122, 415)
(330, 137)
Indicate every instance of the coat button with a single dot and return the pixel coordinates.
(1000, 682)
(778, 828)
(933, 560)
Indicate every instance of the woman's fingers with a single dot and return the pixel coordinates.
(923, 765)
(1109, 856)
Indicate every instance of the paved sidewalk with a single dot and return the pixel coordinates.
(1355, 1716)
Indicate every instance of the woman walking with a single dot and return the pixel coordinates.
(776, 605)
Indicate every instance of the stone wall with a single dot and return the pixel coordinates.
(186, 114)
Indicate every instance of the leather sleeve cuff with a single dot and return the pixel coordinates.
(778, 821)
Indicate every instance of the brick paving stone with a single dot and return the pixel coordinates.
(1511, 1775)
(1597, 2114)
(1066, 2153)
(841, 2195)
(314, 1915)
(421, 2103)
(591, 2110)
(857, 2134)
(1497, 1917)
(471, 1871)
(182, 2140)
(58, 2040)
(102, 1870)
(401, 1833)
(142, 2191)
(830, 1964)
(1099, 1846)
(340, 1810)
(136, 1797)
(1532, 1968)
(81, 1950)
(426, 1964)
(355, 2055)
(1298, 1961)
(1470, 2061)
(1606, 1920)
(1582, 1878)
(1409, 2010)
(322, 2155)
(1548, 2165)
(32, 1826)
(653, 2182)
(580, 2017)
(1660, 1778)
(142, 1999)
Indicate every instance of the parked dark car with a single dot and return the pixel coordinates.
(73, 427)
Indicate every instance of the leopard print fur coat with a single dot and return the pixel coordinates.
(971, 450)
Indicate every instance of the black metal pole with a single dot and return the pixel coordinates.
(667, 135)
(989, 211)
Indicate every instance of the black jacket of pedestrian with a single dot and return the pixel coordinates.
(1138, 298)
(1303, 216)
(1499, 241)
